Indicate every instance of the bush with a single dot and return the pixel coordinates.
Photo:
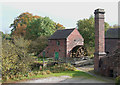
(35, 72)
(57, 68)
(48, 71)
(39, 72)
(118, 81)
(15, 57)
(31, 74)
(38, 45)
(43, 73)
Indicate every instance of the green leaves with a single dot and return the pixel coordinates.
(31, 27)
(42, 26)
(38, 45)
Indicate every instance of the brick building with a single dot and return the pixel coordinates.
(112, 40)
(61, 43)
(107, 48)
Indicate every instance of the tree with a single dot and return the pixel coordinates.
(115, 26)
(38, 45)
(59, 26)
(20, 23)
(42, 26)
(32, 24)
(15, 57)
(5, 35)
(86, 29)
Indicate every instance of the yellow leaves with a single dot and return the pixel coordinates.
(12, 57)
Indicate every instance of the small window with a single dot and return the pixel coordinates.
(100, 63)
(74, 39)
(58, 42)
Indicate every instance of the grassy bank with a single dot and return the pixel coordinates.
(65, 73)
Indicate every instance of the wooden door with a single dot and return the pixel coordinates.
(56, 55)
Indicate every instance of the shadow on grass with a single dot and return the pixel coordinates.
(101, 77)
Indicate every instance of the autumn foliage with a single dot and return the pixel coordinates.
(32, 23)
(21, 22)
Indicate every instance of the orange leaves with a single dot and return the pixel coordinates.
(21, 22)
(25, 21)
(18, 25)
(59, 26)
(20, 30)
(36, 16)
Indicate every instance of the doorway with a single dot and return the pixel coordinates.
(111, 73)
(56, 55)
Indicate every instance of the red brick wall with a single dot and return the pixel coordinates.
(73, 40)
(66, 45)
(111, 44)
(99, 37)
(53, 47)
(111, 62)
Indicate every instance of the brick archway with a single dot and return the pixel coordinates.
(78, 51)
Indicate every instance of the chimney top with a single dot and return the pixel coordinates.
(99, 11)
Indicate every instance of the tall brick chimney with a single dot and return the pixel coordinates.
(99, 38)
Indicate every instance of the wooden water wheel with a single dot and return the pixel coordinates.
(78, 52)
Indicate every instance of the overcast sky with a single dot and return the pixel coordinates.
(65, 13)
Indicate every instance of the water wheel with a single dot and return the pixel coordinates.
(78, 52)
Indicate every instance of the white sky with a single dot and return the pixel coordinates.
(65, 13)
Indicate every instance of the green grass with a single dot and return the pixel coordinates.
(65, 73)
(73, 74)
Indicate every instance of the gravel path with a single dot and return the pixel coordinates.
(48, 80)
(64, 79)
(68, 79)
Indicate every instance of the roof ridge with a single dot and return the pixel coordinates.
(67, 29)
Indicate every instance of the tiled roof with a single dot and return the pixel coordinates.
(113, 33)
(61, 34)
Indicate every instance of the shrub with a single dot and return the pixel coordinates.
(38, 45)
(48, 71)
(118, 80)
(38, 72)
(43, 73)
(26, 75)
(31, 74)
(57, 68)
(15, 57)
(35, 72)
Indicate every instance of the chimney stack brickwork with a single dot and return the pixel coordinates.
(99, 37)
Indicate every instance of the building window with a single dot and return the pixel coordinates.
(74, 39)
(58, 42)
(100, 63)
